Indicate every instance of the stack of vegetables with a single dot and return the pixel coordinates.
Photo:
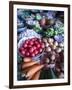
(40, 44)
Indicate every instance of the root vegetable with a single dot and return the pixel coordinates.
(36, 76)
(28, 64)
(27, 59)
(31, 72)
(29, 68)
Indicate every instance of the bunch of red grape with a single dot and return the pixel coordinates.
(31, 47)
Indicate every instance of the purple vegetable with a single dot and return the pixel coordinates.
(51, 14)
(59, 38)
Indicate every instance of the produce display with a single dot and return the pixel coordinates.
(40, 40)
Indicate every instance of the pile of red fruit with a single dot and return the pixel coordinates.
(31, 47)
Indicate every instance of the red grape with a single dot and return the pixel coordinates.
(33, 39)
(32, 54)
(34, 47)
(23, 52)
(29, 46)
(38, 45)
(40, 50)
(36, 52)
(31, 50)
(27, 41)
(31, 42)
(21, 49)
(40, 40)
(27, 54)
(36, 42)
(25, 45)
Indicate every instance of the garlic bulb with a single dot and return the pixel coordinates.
(54, 47)
(59, 50)
(53, 57)
(50, 40)
(47, 60)
(47, 44)
(48, 49)
(61, 45)
(56, 43)
(45, 40)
